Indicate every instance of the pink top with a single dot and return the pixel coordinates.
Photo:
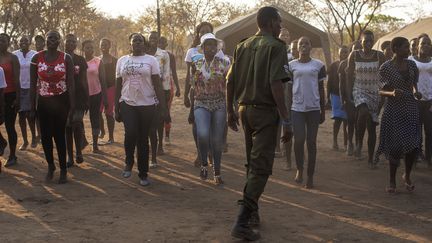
(94, 83)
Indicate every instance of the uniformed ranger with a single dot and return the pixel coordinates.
(255, 81)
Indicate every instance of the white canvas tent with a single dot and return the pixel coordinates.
(408, 31)
(245, 26)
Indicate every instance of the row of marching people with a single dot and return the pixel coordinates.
(402, 71)
(53, 90)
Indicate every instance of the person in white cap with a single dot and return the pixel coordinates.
(209, 104)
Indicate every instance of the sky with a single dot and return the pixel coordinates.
(402, 9)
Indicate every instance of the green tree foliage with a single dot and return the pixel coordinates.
(180, 17)
(382, 24)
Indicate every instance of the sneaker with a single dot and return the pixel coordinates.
(167, 141)
(144, 182)
(127, 172)
(203, 173)
(24, 146)
(11, 161)
(153, 164)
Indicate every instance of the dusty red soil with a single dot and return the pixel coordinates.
(349, 203)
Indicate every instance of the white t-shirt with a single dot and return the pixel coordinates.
(424, 84)
(25, 67)
(305, 84)
(2, 79)
(136, 72)
(195, 53)
(165, 68)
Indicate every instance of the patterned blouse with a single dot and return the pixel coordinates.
(210, 82)
(51, 75)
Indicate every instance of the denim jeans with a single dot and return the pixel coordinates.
(210, 127)
(305, 126)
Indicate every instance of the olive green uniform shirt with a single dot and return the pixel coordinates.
(258, 61)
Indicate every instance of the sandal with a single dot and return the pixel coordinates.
(409, 186)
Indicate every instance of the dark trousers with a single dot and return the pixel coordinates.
(305, 127)
(260, 125)
(53, 113)
(426, 119)
(95, 113)
(10, 118)
(137, 121)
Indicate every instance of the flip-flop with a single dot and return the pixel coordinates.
(409, 187)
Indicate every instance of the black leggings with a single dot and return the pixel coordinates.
(52, 113)
(137, 121)
(95, 112)
(10, 118)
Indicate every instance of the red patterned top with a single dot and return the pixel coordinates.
(51, 75)
(8, 72)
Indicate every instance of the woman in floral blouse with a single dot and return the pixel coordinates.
(209, 104)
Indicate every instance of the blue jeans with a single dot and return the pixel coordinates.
(210, 127)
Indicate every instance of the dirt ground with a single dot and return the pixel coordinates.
(349, 203)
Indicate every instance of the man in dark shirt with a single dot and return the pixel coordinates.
(75, 130)
(255, 81)
(338, 114)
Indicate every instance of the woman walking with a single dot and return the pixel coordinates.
(52, 81)
(25, 55)
(138, 91)
(208, 90)
(362, 70)
(424, 64)
(156, 132)
(109, 63)
(400, 135)
(75, 128)
(347, 102)
(194, 54)
(96, 88)
(11, 68)
(334, 95)
(307, 107)
(163, 44)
